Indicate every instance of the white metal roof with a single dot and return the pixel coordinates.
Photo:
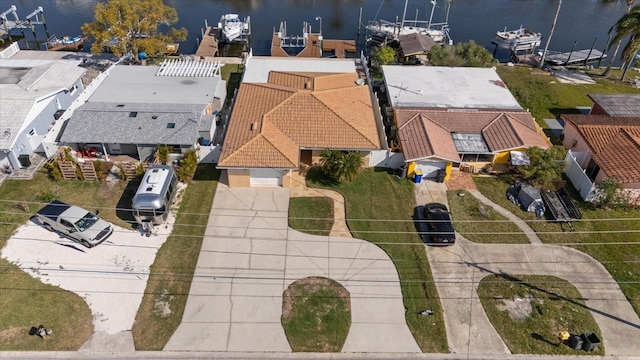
(447, 87)
(258, 67)
(139, 84)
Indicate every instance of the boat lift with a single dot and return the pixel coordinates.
(36, 17)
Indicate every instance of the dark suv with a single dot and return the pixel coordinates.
(437, 228)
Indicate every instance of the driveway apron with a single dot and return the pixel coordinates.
(457, 270)
(249, 256)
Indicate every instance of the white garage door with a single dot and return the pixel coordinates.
(266, 177)
(430, 168)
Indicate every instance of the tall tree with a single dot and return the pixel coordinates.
(133, 26)
(628, 25)
(615, 52)
(553, 28)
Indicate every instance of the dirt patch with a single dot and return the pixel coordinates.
(519, 308)
(460, 180)
(161, 306)
(10, 335)
(106, 189)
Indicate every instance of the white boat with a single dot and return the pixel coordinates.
(232, 27)
(391, 30)
(521, 37)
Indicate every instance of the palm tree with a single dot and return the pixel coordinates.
(342, 166)
(615, 52)
(351, 164)
(553, 28)
(628, 25)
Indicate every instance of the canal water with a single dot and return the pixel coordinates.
(581, 21)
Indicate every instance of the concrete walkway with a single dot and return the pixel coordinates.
(249, 257)
(458, 269)
(300, 189)
(528, 231)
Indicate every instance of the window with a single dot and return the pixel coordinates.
(133, 114)
(73, 89)
(171, 125)
(592, 170)
(67, 224)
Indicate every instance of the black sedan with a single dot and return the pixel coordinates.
(434, 224)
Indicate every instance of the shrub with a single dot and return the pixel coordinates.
(46, 196)
(187, 165)
(162, 154)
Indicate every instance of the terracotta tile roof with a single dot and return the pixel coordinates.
(614, 142)
(270, 122)
(427, 133)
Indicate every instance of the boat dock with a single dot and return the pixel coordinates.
(574, 57)
(208, 45)
(310, 44)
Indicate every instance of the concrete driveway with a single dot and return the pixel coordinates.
(249, 256)
(458, 269)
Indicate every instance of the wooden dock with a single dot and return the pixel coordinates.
(208, 46)
(575, 57)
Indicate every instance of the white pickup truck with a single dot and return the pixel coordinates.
(75, 222)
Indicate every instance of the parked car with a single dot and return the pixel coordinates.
(435, 225)
(74, 222)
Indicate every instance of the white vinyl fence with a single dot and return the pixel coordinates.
(578, 178)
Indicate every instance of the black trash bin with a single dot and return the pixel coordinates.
(576, 342)
(24, 160)
(590, 341)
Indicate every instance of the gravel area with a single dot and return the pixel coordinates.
(111, 277)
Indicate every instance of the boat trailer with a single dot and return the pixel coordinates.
(562, 207)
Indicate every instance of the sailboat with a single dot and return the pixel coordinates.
(439, 32)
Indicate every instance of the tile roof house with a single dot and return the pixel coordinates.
(288, 110)
(34, 90)
(604, 147)
(615, 104)
(136, 108)
(463, 117)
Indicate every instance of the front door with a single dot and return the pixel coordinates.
(115, 149)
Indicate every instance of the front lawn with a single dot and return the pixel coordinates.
(530, 311)
(165, 297)
(609, 236)
(26, 301)
(312, 215)
(379, 209)
(471, 219)
(316, 315)
(546, 97)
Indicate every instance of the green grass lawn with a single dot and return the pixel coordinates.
(169, 282)
(471, 219)
(546, 97)
(606, 235)
(312, 215)
(25, 301)
(529, 312)
(316, 315)
(376, 196)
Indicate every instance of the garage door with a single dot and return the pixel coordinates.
(430, 168)
(266, 177)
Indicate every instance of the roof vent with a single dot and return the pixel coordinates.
(120, 105)
(254, 126)
(154, 117)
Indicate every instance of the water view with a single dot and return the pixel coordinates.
(581, 21)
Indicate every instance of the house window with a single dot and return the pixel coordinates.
(175, 149)
(477, 157)
(592, 170)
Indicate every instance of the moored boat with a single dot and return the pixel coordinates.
(382, 29)
(232, 27)
(517, 38)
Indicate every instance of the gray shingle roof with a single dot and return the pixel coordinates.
(618, 104)
(111, 123)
